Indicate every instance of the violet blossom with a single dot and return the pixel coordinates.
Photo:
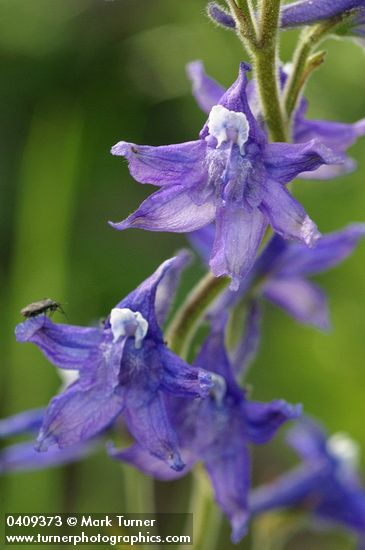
(232, 176)
(307, 12)
(217, 431)
(280, 275)
(326, 485)
(19, 457)
(337, 136)
(124, 367)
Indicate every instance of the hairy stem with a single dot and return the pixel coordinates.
(186, 321)
(243, 14)
(266, 68)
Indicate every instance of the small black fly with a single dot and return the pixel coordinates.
(43, 306)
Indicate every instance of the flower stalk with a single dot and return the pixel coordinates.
(188, 317)
(243, 14)
(208, 517)
(262, 44)
(266, 68)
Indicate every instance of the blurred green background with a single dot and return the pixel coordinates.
(76, 77)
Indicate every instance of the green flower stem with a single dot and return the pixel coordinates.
(274, 530)
(266, 74)
(207, 517)
(303, 63)
(243, 14)
(266, 67)
(269, 21)
(262, 45)
(188, 317)
(138, 494)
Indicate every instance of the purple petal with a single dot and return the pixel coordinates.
(235, 99)
(271, 256)
(141, 458)
(335, 135)
(182, 380)
(289, 490)
(285, 161)
(78, 415)
(306, 12)
(23, 457)
(309, 439)
(264, 419)
(332, 249)
(228, 466)
(145, 298)
(326, 172)
(147, 420)
(300, 299)
(66, 346)
(339, 497)
(247, 348)
(344, 505)
(239, 233)
(167, 286)
(202, 241)
(180, 164)
(213, 355)
(23, 422)
(287, 216)
(207, 91)
(220, 16)
(170, 209)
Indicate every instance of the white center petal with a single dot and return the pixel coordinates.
(68, 377)
(227, 125)
(345, 450)
(125, 322)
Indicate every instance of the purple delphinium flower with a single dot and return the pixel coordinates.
(280, 276)
(327, 484)
(217, 432)
(336, 136)
(124, 367)
(306, 12)
(231, 175)
(23, 457)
